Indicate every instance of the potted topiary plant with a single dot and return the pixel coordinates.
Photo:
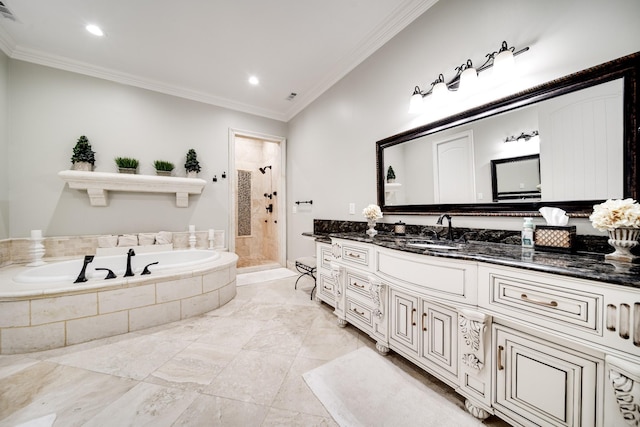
(163, 168)
(391, 175)
(127, 164)
(192, 165)
(83, 157)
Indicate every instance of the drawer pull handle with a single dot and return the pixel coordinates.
(356, 284)
(500, 350)
(327, 288)
(551, 303)
(413, 319)
(424, 316)
(352, 255)
(326, 260)
(355, 310)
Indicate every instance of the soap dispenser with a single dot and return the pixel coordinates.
(527, 233)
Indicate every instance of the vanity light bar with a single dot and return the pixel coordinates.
(525, 136)
(504, 54)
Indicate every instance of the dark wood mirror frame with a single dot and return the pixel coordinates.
(627, 67)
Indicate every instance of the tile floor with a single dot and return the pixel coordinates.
(240, 365)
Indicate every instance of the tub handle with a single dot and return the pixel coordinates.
(110, 275)
(146, 268)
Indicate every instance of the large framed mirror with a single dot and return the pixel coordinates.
(583, 128)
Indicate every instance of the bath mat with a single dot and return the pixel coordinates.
(263, 276)
(363, 388)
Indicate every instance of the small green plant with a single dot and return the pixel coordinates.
(192, 164)
(127, 162)
(391, 175)
(82, 151)
(162, 165)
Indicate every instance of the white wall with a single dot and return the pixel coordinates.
(4, 174)
(331, 146)
(49, 109)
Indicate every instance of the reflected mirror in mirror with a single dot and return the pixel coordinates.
(516, 178)
(579, 142)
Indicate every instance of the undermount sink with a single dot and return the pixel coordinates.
(432, 244)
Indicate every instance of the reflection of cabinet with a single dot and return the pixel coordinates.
(425, 332)
(543, 383)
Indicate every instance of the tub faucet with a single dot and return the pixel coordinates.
(450, 229)
(81, 277)
(129, 255)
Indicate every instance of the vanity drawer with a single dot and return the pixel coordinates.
(358, 284)
(356, 255)
(325, 290)
(541, 300)
(325, 257)
(359, 313)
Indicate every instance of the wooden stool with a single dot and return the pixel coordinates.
(307, 267)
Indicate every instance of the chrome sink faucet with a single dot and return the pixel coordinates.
(450, 229)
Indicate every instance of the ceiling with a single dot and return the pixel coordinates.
(205, 50)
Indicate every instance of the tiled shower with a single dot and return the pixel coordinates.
(256, 211)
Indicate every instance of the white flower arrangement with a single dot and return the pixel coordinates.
(372, 212)
(616, 213)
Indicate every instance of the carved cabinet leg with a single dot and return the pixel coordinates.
(476, 411)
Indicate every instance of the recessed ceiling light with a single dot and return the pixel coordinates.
(254, 80)
(95, 30)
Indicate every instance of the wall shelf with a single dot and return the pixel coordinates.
(98, 184)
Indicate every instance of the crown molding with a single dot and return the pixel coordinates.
(7, 44)
(62, 63)
(403, 15)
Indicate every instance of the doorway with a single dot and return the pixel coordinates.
(258, 204)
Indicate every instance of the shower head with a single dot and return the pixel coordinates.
(264, 169)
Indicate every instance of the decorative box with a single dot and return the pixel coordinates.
(555, 238)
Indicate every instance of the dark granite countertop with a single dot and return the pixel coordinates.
(580, 265)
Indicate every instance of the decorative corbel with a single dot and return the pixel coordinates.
(472, 326)
(624, 377)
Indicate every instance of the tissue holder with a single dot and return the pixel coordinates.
(555, 237)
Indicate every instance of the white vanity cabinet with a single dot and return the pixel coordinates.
(360, 297)
(325, 285)
(562, 348)
(538, 382)
(426, 333)
(534, 348)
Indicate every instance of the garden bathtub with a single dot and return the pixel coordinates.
(42, 308)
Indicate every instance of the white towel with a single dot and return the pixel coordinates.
(107, 241)
(164, 238)
(145, 239)
(128, 240)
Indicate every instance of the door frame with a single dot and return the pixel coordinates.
(282, 191)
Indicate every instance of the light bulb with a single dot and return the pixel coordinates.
(440, 91)
(468, 80)
(503, 64)
(415, 105)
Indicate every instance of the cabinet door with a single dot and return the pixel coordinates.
(543, 383)
(404, 313)
(438, 330)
